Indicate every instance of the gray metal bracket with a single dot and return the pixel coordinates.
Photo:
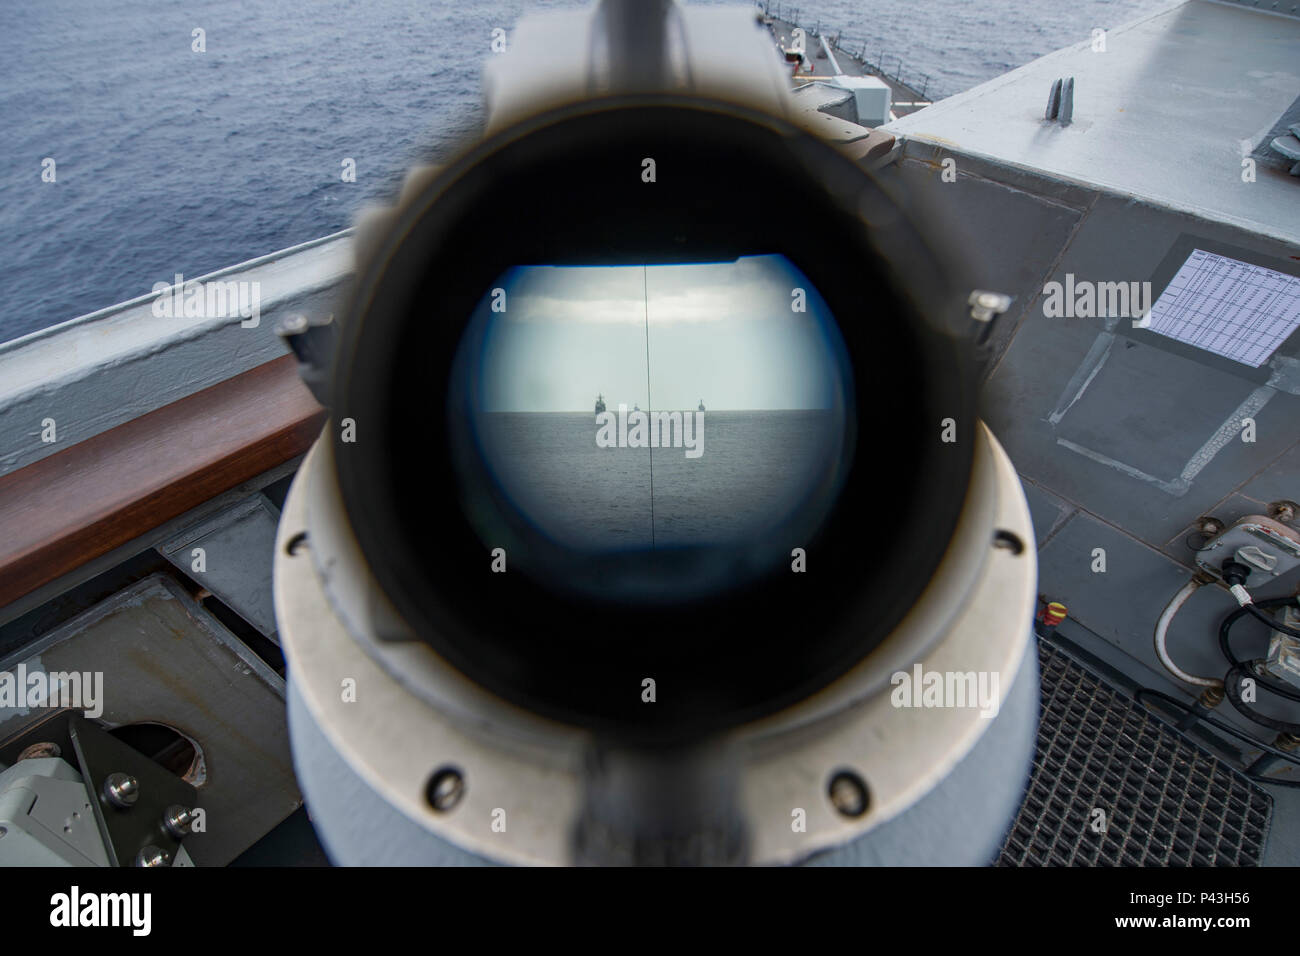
(133, 820)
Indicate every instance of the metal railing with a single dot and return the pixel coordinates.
(886, 66)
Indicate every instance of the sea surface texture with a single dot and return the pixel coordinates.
(754, 470)
(168, 160)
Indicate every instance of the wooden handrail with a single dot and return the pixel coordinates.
(82, 502)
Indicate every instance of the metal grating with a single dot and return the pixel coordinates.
(1167, 802)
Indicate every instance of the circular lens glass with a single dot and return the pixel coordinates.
(736, 555)
(681, 423)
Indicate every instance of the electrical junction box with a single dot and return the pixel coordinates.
(1268, 547)
(1283, 659)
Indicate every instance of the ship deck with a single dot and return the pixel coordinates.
(829, 52)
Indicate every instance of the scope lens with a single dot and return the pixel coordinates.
(647, 413)
(742, 558)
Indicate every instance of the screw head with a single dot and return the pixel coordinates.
(1284, 511)
(121, 790)
(152, 856)
(1210, 525)
(446, 788)
(848, 793)
(178, 820)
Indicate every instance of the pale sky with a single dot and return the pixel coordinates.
(721, 332)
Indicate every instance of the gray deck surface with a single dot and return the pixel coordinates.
(1162, 114)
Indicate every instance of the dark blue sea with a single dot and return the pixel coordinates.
(167, 160)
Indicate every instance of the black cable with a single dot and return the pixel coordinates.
(1225, 643)
(1241, 671)
(1232, 732)
(1235, 575)
(1233, 690)
(1272, 622)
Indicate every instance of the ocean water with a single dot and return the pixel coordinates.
(168, 160)
(755, 469)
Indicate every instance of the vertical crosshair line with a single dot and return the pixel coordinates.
(645, 291)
